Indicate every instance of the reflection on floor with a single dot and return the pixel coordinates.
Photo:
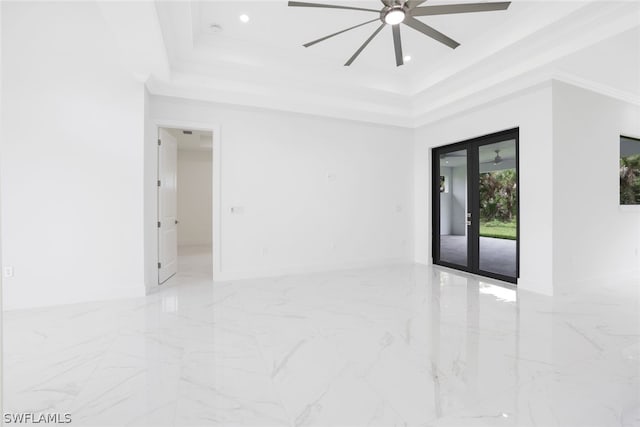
(403, 345)
(496, 255)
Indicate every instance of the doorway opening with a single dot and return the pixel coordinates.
(185, 204)
(475, 206)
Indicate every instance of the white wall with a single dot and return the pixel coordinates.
(314, 193)
(594, 238)
(529, 110)
(194, 197)
(71, 158)
(150, 198)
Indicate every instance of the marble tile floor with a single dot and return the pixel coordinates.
(404, 345)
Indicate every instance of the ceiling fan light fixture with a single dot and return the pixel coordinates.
(394, 16)
(497, 160)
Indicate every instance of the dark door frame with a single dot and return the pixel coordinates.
(473, 170)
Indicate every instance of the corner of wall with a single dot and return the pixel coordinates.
(150, 201)
(593, 240)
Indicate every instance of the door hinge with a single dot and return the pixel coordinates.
(159, 265)
(159, 183)
(159, 224)
(159, 143)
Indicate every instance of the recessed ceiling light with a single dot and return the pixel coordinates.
(244, 18)
(407, 58)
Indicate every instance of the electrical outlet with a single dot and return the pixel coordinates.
(7, 271)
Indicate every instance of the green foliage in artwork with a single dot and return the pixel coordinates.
(630, 180)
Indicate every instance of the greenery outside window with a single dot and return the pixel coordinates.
(629, 171)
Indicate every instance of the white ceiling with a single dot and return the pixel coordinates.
(262, 63)
(275, 26)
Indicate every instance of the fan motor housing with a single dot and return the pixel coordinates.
(398, 6)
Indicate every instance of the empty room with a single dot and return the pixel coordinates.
(333, 213)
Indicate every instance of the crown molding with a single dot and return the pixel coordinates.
(229, 92)
(597, 87)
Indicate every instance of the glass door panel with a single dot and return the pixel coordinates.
(498, 208)
(454, 246)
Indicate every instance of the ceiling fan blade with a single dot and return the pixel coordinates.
(328, 6)
(339, 32)
(431, 32)
(355, 55)
(459, 8)
(397, 44)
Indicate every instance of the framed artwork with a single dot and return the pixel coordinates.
(629, 171)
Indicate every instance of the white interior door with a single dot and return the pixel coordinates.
(167, 205)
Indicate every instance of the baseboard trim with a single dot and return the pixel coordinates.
(599, 280)
(533, 286)
(256, 274)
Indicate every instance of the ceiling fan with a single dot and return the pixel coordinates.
(396, 12)
(496, 160)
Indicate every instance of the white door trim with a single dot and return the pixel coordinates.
(216, 208)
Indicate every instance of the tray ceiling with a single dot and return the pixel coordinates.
(214, 56)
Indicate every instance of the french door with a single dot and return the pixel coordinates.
(475, 206)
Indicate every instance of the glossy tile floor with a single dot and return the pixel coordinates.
(397, 346)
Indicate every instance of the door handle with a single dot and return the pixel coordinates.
(177, 222)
